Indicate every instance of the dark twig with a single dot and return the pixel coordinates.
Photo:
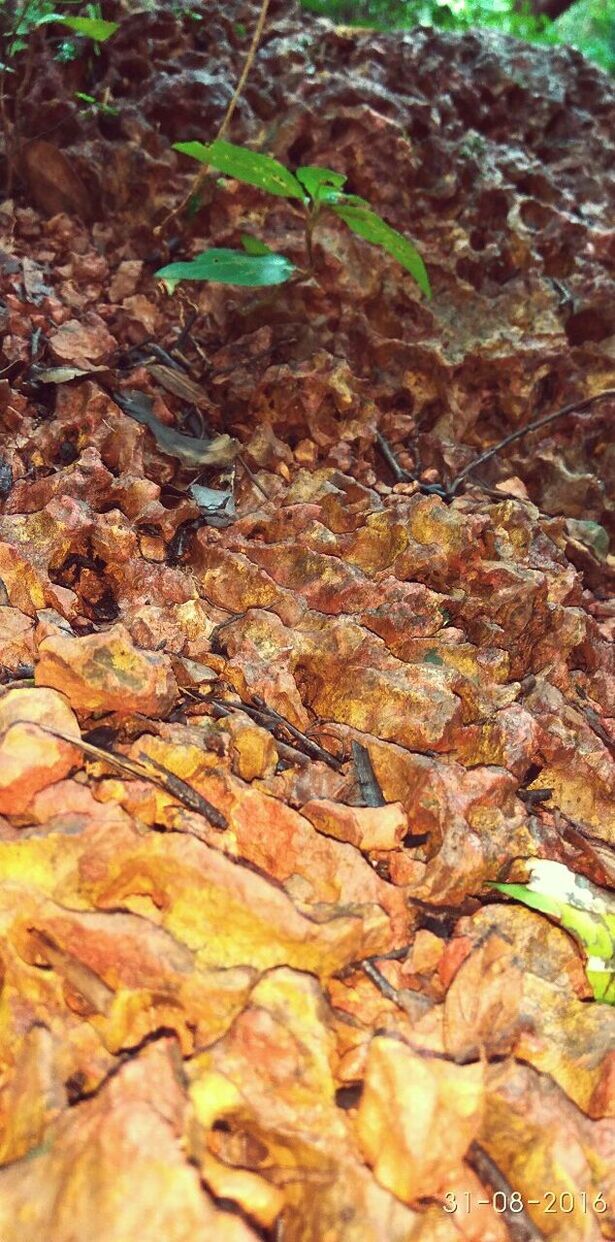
(172, 784)
(370, 789)
(394, 955)
(184, 335)
(405, 476)
(399, 474)
(201, 177)
(521, 1227)
(596, 724)
(577, 406)
(187, 794)
(381, 983)
(311, 748)
(289, 753)
(271, 720)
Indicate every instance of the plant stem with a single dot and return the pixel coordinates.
(201, 177)
(524, 431)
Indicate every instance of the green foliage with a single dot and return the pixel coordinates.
(230, 267)
(92, 27)
(317, 188)
(259, 170)
(19, 20)
(588, 25)
(585, 911)
(362, 220)
(95, 105)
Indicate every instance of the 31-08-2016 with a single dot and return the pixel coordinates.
(552, 1202)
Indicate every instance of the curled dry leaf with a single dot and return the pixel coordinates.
(82, 343)
(107, 672)
(29, 759)
(417, 1118)
(54, 183)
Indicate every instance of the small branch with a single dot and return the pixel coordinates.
(256, 38)
(379, 981)
(271, 720)
(405, 476)
(524, 431)
(252, 476)
(311, 748)
(399, 474)
(201, 177)
(520, 1225)
(172, 784)
(289, 754)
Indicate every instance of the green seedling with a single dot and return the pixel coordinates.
(318, 190)
(19, 22)
(97, 106)
(585, 911)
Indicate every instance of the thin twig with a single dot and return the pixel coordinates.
(311, 748)
(382, 983)
(251, 475)
(168, 781)
(520, 1225)
(290, 754)
(524, 431)
(271, 720)
(201, 177)
(399, 474)
(406, 476)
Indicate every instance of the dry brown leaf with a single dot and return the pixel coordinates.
(54, 183)
(30, 758)
(417, 1118)
(107, 672)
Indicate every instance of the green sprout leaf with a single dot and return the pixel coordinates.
(229, 267)
(250, 167)
(254, 245)
(92, 27)
(362, 220)
(322, 184)
(584, 910)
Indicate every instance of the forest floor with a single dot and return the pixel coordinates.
(265, 748)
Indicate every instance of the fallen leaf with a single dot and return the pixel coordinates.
(53, 181)
(30, 759)
(417, 1118)
(107, 672)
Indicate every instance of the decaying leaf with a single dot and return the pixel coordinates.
(417, 1118)
(189, 450)
(270, 736)
(54, 183)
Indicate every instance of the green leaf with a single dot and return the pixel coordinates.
(601, 978)
(251, 167)
(584, 910)
(322, 184)
(229, 267)
(353, 200)
(92, 27)
(536, 901)
(367, 224)
(254, 245)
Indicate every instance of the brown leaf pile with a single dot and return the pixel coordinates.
(256, 772)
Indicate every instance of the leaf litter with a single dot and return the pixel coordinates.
(277, 715)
